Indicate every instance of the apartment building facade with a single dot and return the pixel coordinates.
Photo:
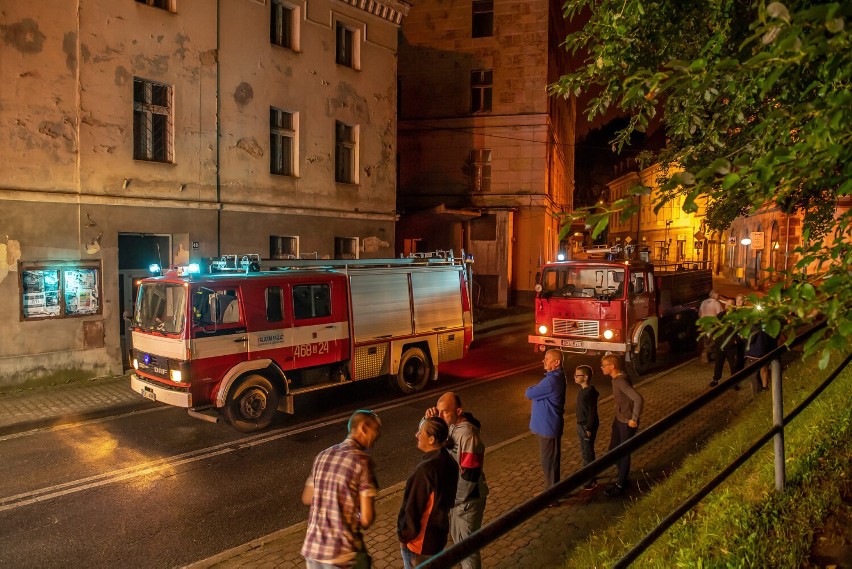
(486, 156)
(174, 131)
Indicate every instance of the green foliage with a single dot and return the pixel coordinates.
(757, 104)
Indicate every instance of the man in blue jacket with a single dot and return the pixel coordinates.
(546, 421)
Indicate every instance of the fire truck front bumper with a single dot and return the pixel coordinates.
(159, 393)
(577, 346)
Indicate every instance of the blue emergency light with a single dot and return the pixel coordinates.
(154, 268)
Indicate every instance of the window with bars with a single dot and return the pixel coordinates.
(346, 247)
(281, 24)
(283, 247)
(483, 19)
(153, 110)
(346, 52)
(163, 4)
(480, 170)
(481, 82)
(282, 142)
(345, 153)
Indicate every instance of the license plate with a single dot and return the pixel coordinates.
(149, 393)
(572, 343)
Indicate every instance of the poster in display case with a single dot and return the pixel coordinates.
(59, 289)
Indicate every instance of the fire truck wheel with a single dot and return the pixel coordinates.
(415, 369)
(252, 404)
(642, 359)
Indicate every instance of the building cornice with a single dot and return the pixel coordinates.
(390, 10)
(118, 201)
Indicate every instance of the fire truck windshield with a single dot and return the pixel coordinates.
(161, 307)
(582, 282)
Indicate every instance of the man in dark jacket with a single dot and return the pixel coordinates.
(468, 450)
(546, 420)
(423, 523)
(586, 409)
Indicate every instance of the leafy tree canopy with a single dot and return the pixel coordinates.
(757, 106)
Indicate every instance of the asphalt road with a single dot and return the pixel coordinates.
(157, 488)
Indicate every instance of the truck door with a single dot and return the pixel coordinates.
(320, 328)
(639, 297)
(219, 339)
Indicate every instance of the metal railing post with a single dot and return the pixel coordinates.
(778, 422)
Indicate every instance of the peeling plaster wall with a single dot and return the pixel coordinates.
(258, 75)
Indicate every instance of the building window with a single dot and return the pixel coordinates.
(283, 25)
(348, 48)
(282, 142)
(345, 153)
(152, 121)
(483, 18)
(480, 170)
(60, 289)
(481, 81)
(283, 247)
(345, 247)
(164, 4)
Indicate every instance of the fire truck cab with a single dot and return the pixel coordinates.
(244, 342)
(618, 306)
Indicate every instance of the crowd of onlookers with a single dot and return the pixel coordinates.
(446, 494)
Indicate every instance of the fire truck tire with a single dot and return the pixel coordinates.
(415, 369)
(641, 360)
(251, 404)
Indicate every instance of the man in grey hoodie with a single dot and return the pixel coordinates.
(466, 447)
(628, 408)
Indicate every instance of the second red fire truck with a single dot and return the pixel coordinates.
(621, 306)
(245, 342)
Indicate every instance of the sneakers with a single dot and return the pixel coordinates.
(714, 383)
(590, 485)
(614, 490)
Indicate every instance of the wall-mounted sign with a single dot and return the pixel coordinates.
(757, 240)
(195, 244)
(60, 289)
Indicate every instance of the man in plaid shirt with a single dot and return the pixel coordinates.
(341, 492)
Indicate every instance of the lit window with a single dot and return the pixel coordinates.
(481, 82)
(345, 153)
(152, 121)
(282, 142)
(480, 170)
(483, 18)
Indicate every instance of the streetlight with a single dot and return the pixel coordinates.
(745, 241)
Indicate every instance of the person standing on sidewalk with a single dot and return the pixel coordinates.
(423, 523)
(732, 351)
(546, 418)
(587, 417)
(710, 307)
(628, 408)
(466, 447)
(341, 493)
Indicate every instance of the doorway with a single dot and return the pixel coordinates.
(136, 252)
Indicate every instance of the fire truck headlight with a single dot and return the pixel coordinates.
(608, 334)
(175, 375)
(135, 364)
(542, 329)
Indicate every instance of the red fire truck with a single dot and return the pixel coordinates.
(620, 306)
(245, 340)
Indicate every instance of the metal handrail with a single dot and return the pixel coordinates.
(503, 524)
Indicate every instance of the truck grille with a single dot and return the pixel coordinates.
(157, 366)
(586, 328)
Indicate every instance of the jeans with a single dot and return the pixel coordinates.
(621, 432)
(551, 458)
(410, 560)
(587, 444)
(466, 518)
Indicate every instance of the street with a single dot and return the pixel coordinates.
(162, 489)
